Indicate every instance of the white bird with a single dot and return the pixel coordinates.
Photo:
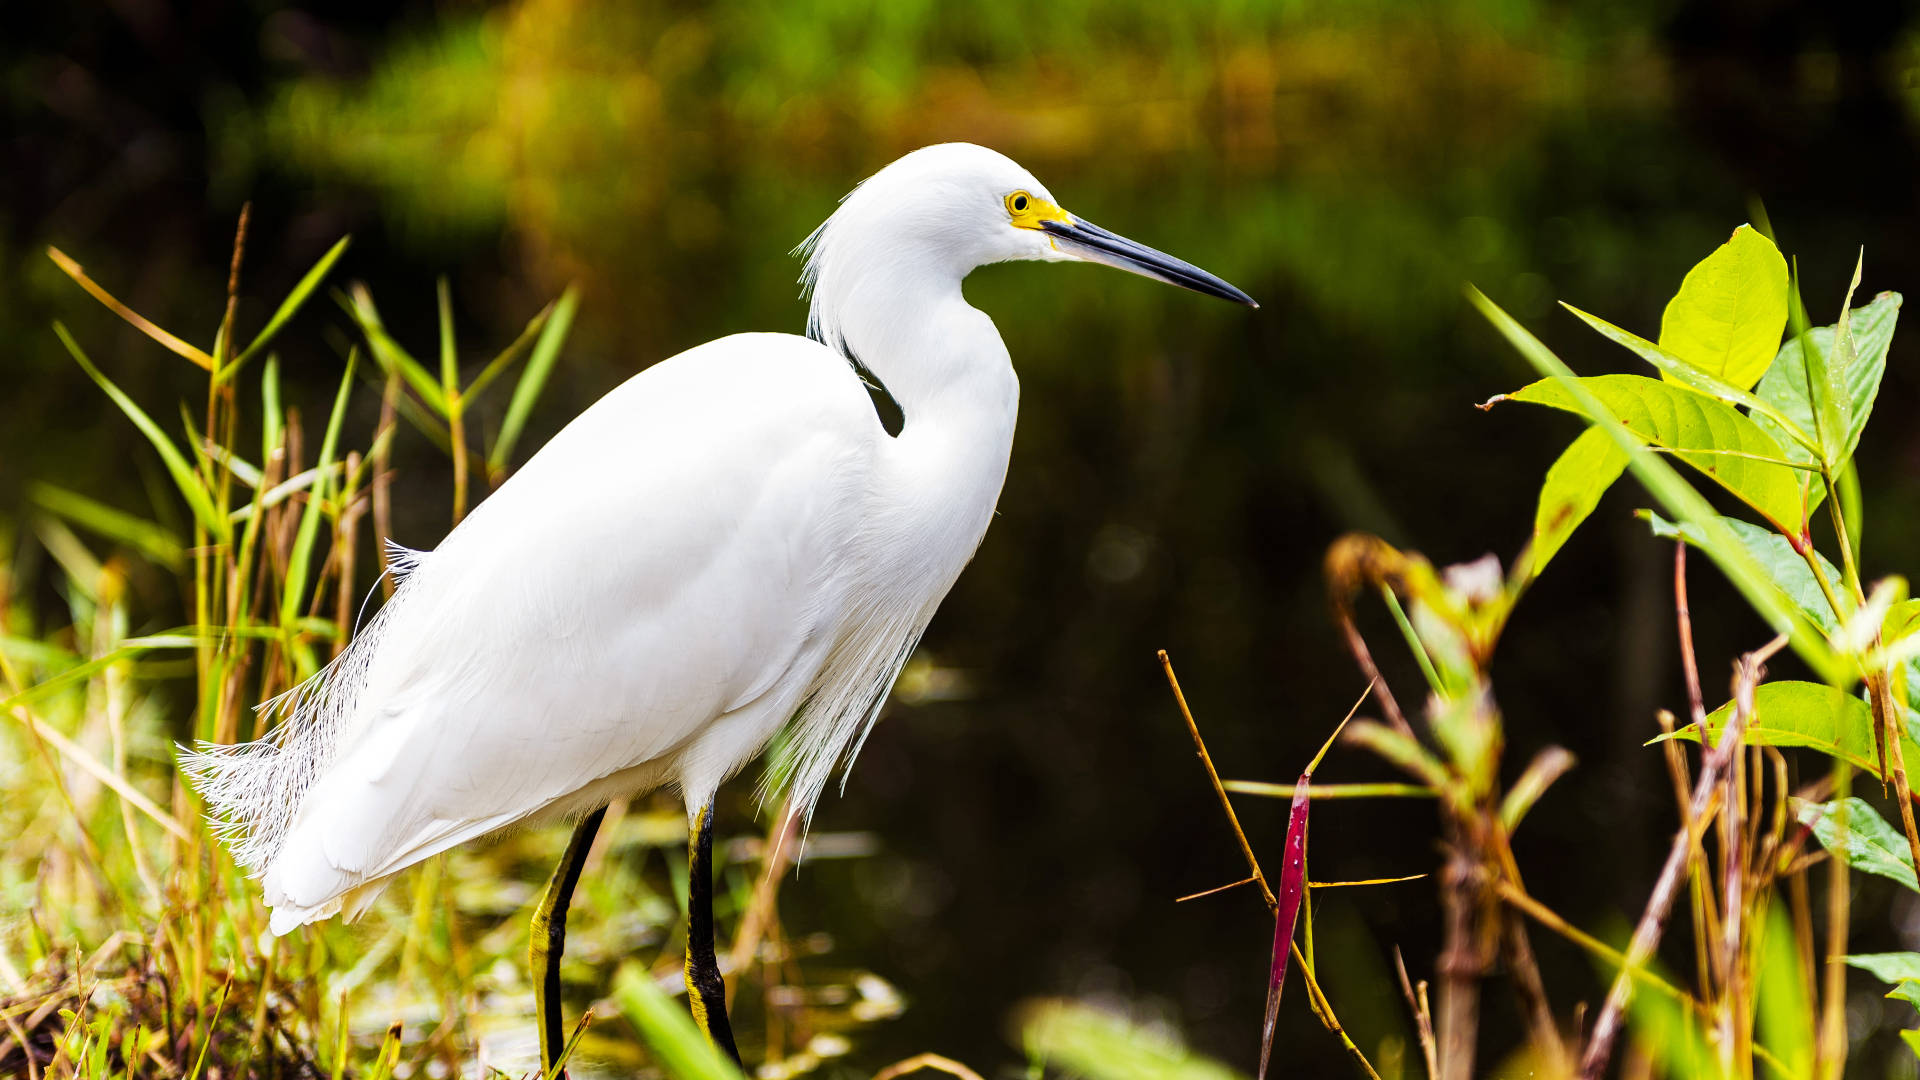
(727, 548)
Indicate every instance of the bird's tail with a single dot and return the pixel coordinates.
(254, 790)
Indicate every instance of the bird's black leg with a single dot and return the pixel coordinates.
(547, 938)
(706, 994)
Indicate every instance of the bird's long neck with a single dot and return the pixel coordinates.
(902, 316)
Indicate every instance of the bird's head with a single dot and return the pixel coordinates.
(957, 206)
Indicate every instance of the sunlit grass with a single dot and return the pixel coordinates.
(130, 943)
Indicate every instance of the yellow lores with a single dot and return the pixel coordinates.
(1029, 211)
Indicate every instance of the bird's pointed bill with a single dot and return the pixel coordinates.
(1095, 244)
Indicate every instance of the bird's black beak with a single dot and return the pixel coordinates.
(1088, 241)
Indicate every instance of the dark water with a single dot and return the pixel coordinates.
(1181, 464)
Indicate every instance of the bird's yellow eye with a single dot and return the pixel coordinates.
(1030, 211)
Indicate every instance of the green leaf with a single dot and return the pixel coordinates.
(1786, 1016)
(1781, 428)
(1811, 715)
(183, 474)
(154, 541)
(1676, 495)
(1785, 384)
(1673, 1036)
(290, 306)
(682, 1051)
(1785, 568)
(1082, 1041)
(1575, 482)
(1710, 435)
(1864, 839)
(388, 353)
(1825, 393)
(507, 356)
(1908, 991)
(1911, 1037)
(1893, 967)
(534, 378)
(1840, 363)
(271, 418)
(449, 357)
(1727, 317)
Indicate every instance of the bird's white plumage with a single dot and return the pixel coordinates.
(726, 544)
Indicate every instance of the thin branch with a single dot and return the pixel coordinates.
(1357, 645)
(1213, 776)
(926, 1061)
(1689, 664)
(1422, 1016)
(1332, 791)
(1323, 1008)
(1215, 889)
(1646, 935)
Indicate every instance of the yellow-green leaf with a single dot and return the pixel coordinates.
(1709, 435)
(1812, 715)
(1573, 487)
(1730, 311)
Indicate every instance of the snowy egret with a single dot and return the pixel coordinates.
(728, 547)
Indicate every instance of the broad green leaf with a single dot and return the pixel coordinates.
(1839, 364)
(1893, 967)
(290, 306)
(1911, 1037)
(183, 474)
(1785, 384)
(1710, 435)
(1908, 991)
(678, 1046)
(532, 380)
(1811, 715)
(1784, 567)
(1865, 839)
(1575, 482)
(1676, 495)
(1781, 428)
(1825, 383)
(1786, 1016)
(1727, 317)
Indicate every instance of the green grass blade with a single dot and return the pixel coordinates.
(545, 351)
(298, 565)
(1678, 496)
(288, 307)
(183, 473)
(154, 541)
(682, 1051)
(508, 355)
(273, 418)
(449, 362)
(388, 353)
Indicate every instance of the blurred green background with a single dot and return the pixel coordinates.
(1181, 464)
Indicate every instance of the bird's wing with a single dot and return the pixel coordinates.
(664, 561)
